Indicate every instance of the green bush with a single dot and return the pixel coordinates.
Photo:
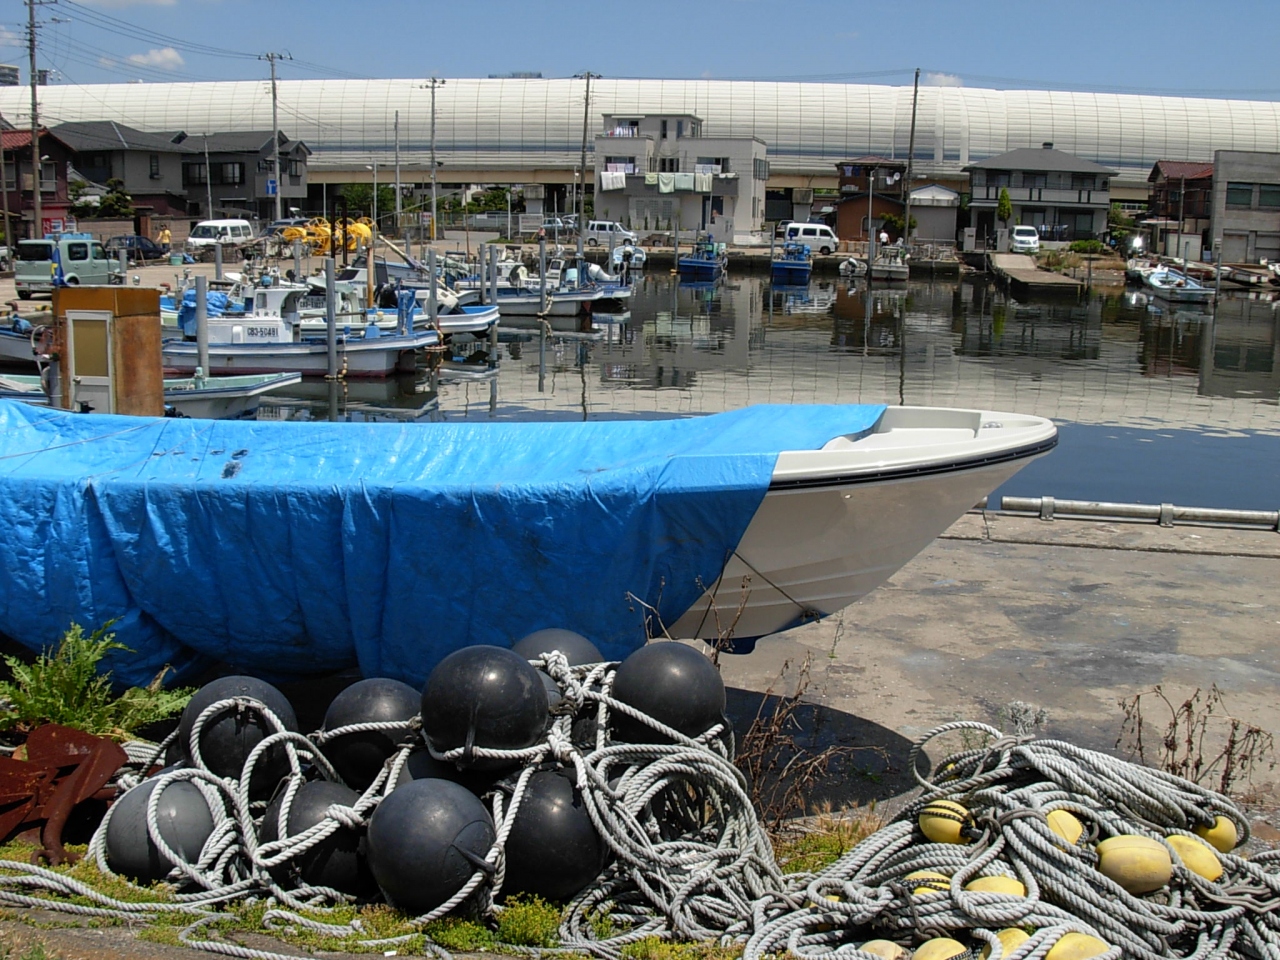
(65, 686)
(1087, 246)
(529, 922)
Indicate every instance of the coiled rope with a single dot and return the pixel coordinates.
(691, 861)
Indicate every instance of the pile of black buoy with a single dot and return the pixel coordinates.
(401, 782)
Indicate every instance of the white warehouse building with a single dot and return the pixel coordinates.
(531, 130)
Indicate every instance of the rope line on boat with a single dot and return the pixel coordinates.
(691, 860)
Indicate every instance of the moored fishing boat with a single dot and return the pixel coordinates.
(1176, 287)
(792, 265)
(706, 261)
(816, 505)
(201, 398)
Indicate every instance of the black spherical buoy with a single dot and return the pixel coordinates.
(229, 737)
(183, 818)
(578, 650)
(421, 765)
(358, 757)
(483, 696)
(336, 861)
(674, 684)
(425, 840)
(553, 850)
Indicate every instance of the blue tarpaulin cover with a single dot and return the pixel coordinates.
(286, 549)
(216, 304)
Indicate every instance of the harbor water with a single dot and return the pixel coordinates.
(1154, 404)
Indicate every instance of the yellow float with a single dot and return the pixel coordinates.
(1138, 864)
(943, 821)
(939, 948)
(1222, 835)
(930, 881)
(1196, 855)
(884, 948)
(1005, 885)
(1076, 946)
(1011, 938)
(1065, 825)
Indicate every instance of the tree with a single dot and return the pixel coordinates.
(1004, 207)
(893, 223)
(359, 197)
(115, 203)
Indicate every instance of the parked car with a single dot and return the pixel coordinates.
(780, 231)
(140, 248)
(82, 259)
(556, 226)
(1024, 240)
(818, 236)
(599, 231)
(229, 234)
(279, 226)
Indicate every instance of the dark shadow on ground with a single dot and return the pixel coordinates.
(871, 764)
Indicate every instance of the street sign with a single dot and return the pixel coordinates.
(271, 186)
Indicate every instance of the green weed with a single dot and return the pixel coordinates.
(66, 686)
(529, 922)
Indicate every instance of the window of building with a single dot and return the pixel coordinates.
(760, 169)
(664, 130)
(620, 164)
(155, 166)
(293, 168)
(1269, 195)
(1239, 194)
(1083, 181)
(266, 165)
(716, 165)
(48, 177)
(194, 174)
(998, 178)
(10, 175)
(1036, 181)
(668, 164)
(232, 173)
(679, 129)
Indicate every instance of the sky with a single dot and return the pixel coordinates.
(1174, 46)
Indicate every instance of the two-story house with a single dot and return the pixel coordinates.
(871, 188)
(1181, 200)
(1064, 196)
(1246, 205)
(237, 171)
(19, 182)
(149, 164)
(657, 170)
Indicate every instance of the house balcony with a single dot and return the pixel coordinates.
(1048, 195)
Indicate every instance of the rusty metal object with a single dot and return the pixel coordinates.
(63, 767)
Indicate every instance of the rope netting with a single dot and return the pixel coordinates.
(689, 859)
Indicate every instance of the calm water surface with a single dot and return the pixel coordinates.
(1153, 404)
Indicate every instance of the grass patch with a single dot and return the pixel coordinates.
(529, 922)
(654, 948)
(826, 840)
(462, 936)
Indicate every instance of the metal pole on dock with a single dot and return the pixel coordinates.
(297, 261)
(123, 257)
(330, 319)
(542, 314)
(433, 306)
(1217, 276)
(202, 326)
(493, 273)
(217, 261)
(675, 249)
(482, 273)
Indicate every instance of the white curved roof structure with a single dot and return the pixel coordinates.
(529, 124)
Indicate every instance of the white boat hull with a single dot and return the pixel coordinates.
(826, 535)
(209, 400)
(375, 357)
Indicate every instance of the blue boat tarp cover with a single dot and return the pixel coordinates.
(216, 304)
(286, 549)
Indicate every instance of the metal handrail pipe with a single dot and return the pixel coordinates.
(1165, 514)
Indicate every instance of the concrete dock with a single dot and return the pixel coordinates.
(1025, 279)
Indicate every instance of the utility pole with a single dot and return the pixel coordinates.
(582, 176)
(911, 150)
(433, 83)
(271, 58)
(208, 178)
(37, 222)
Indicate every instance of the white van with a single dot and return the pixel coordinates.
(1024, 240)
(818, 236)
(208, 234)
(599, 231)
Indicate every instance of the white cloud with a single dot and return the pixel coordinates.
(8, 38)
(165, 58)
(119, 4)
(943, 80)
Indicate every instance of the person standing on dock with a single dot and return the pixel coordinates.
(164, 238)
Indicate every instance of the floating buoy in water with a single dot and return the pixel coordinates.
(359, 757)
(337, 860)
(483, 696)
(553, 850)
(1005, 885)
(939, 948)
(1011, 938)
(1222, 835)
(928, 881)
(673, 683)
(577, 649)
(1076, 946)
(1196, 855)
(185, 823)
(1065, 825)
(227, 738)
(1138, 864)
(884, 948)
(425, 841)
(944, 821)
